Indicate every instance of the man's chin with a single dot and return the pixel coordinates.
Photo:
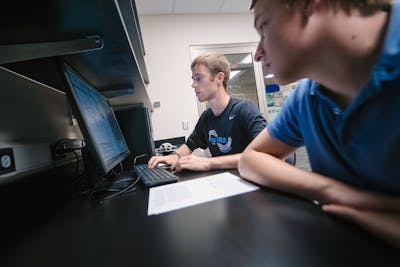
(285, 78)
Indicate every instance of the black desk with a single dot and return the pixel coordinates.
(261, 228)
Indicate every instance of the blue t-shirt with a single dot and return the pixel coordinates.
(230, 132)
(359, 145)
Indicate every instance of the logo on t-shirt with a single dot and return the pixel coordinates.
(224, 143)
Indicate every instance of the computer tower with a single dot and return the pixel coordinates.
(135, 124)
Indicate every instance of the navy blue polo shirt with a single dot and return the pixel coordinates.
(360, 144)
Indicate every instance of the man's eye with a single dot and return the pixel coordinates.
(261, 29)
(262, 25)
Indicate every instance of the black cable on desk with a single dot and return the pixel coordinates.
(129, 188)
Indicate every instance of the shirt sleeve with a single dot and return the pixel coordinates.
(196, 138)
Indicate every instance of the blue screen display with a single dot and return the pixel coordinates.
(97, 122)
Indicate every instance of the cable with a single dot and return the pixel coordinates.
(134, 160)
(127, 179)
(66, 145)
(129, 188)
(115, 173)
(77, 163)
(121, 168)
(123, 190)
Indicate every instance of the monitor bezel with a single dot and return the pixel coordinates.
(101, 166)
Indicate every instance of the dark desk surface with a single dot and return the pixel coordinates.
(261, 228)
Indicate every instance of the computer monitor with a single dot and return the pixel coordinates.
(99, 127)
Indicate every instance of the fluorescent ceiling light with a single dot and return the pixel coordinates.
(268, 76)
(247, 59)
(234, 73)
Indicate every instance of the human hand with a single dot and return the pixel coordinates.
(193, 163)
(343, 194)
(171, 160)
(383, 224)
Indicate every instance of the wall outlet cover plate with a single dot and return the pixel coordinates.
(7, 162)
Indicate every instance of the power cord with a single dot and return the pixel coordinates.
(137, 157)
(129, 188)
(77, 163)
(64, 146)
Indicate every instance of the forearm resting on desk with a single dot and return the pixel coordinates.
(225, 162)
(272, 172)
(269, 171)
(196, 163)
(376, 212)
(383, 224)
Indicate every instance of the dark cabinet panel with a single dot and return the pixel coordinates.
(100, 38)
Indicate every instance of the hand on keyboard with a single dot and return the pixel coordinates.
(154, 176)
(165, 167)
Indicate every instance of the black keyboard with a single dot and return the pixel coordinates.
(154, 176)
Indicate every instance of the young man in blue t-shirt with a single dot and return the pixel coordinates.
(346, 113)
(226, 127)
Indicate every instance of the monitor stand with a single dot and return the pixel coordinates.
(101, 187)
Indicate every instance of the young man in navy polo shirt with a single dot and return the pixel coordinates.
(347, 113)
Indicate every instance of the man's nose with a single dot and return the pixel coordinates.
(258, 56)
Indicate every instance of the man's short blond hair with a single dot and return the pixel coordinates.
(215, 63)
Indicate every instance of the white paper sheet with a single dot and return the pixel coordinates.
(184, 194)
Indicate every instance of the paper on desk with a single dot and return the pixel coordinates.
(184, 194)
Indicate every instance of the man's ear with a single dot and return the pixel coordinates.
(220, 76)
(308, 9)
(310, 6)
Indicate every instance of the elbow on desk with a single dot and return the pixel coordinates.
(244, 166)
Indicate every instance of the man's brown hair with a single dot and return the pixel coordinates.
(215, 63)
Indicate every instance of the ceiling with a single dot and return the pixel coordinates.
(163, 7)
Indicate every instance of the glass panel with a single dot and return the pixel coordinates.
(275, 94)
(242, 82)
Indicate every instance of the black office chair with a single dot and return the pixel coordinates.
(291, 159)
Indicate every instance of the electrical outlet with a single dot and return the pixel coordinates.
(7, 162)
(185, 125)
(156, 104)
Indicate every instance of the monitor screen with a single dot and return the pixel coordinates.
(100, 129)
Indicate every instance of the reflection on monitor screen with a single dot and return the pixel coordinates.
(97, 122)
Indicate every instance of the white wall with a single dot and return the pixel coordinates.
(167, 39)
